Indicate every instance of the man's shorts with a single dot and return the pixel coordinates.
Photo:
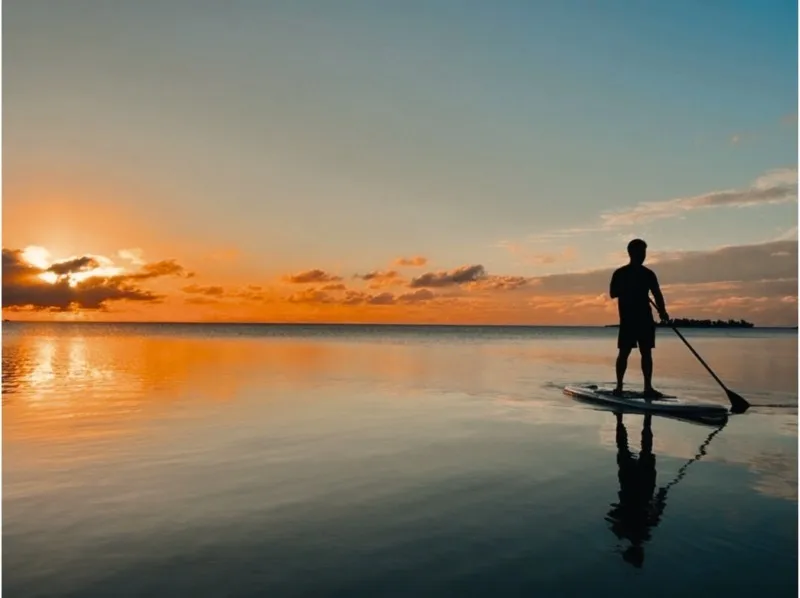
(636, 333)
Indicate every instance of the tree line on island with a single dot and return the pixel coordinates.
(693, 323)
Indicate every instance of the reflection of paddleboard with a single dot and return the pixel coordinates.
(633, 400)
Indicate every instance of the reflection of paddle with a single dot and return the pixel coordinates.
(700, 454)
(738, 403)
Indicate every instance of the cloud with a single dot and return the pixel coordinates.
(379, 276)
(788, 235)
(217, 294)
(354, 297)
(311, 276)
(79, 264)
(24, 288)
(162, 268)
(310, 296)
(213, 291)
(133, 255)
(416, 261)
(458, 276)
(337, 286)
(202, 300)
(773, 187)
(381, 299)
(378, 279)
(418, 296)
(500, 283)
(777, 186)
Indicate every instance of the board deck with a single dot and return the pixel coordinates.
(634, 400)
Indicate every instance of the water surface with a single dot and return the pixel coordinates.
(169, 460)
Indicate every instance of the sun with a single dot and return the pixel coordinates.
(37, 256)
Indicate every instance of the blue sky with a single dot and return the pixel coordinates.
(341, 133)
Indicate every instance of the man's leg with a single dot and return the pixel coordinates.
(647, 342)
(647, 367)
(622, 365)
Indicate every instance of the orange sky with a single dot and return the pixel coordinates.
(134, 270)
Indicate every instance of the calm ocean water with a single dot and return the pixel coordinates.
(200, 460)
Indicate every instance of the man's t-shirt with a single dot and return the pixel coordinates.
(633, 285)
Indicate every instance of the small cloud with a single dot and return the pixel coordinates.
(378, 279)
(381, 299)
(214, 291)
(788, 235)
(354, 298)
(310, 296)
(500, 283)
(458, 276)
(337, 286)
(311, 276)
(202, 300)
(162, 268)
(415, 262)
(79, 264)
(418, 296)
(377, 275)
(133, 255)
(735, 139)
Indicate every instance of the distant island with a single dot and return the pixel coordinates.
(692, 323)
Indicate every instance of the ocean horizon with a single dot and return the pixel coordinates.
(368, 324)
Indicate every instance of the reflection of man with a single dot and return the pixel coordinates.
(637, 510)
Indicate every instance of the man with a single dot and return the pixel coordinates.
(631, 285)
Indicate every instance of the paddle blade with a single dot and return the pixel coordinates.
(738, 403)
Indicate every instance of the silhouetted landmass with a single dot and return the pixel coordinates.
(692, 323)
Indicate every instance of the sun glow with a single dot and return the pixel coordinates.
(50, 277)
(37, 256)
(101, 272)
(41, 258)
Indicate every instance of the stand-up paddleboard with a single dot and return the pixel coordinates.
(666, 404)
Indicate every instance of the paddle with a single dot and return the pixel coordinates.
(738, 403)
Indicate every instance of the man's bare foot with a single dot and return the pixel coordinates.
(651, 393)
(617, 392)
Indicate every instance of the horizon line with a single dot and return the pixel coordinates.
(387, 324)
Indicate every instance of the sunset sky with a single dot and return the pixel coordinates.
(415, 161)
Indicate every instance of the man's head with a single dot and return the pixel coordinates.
(637, 250)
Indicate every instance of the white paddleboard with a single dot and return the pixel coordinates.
(633, 400)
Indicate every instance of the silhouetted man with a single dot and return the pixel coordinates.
(631, 285)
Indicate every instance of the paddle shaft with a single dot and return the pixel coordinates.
(700, 359)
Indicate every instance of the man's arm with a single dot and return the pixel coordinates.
(614, 286)
(659, 298)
